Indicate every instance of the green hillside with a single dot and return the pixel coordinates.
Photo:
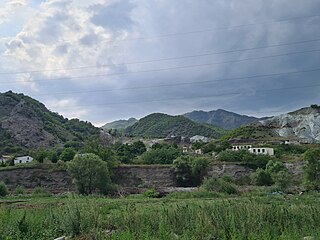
(120, 124)
(26, 123)
(158, 125)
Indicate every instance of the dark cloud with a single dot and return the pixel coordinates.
(146, 21)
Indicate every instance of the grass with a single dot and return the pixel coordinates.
(184, 216)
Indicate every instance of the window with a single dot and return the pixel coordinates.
(258, 150)
(263, 150)
(254, 150)
(20, 161)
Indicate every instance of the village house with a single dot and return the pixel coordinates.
(254, 150)
(198, 152)
(262, 150)
(23, 159)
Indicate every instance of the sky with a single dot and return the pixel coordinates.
(104, 60)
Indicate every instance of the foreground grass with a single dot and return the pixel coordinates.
(267, 217)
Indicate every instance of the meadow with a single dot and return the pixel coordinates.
(177, 216)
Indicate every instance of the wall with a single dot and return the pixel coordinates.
(135, 177)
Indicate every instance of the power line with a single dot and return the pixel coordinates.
(205, 30)
(182, 98)
(161, 69)
(164, 59)
(183, 83)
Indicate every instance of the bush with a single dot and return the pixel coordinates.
(20, 190)
(160, 155)
(219, 185)
(151, 193)
(40, 191)
(262, 178)
(90, 173)
(189, 171)
(282, 180)
(3, 189)
(312, 169)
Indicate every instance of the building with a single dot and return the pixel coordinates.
(23, 159)
(262, 150)
(185, 149)
(241, 147)
(198, 152)
(255, 150)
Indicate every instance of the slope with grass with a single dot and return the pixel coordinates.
(159, 125)
(26, 123)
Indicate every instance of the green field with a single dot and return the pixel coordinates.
(173, 217)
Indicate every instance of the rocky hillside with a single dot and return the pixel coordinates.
(120, 124)
(27, 124)
(300, 124)
(221, 118)
(158, 125)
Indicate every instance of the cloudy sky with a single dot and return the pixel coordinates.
(103, 60)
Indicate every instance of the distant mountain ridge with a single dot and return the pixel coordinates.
(301, 124)
(159, 125)
(221, 118)
(120, 124)
(26, 123)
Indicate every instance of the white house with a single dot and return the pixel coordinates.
(241, 147)
(198, 152)
(262, 150)
(23, 159)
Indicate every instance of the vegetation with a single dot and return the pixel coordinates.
(312, 169)
(3, 189)
(245, 157)
(126, 153)
(160, 154)
(189, 170)
(268, 217)
(90, 173)
(160, 125)
(219, 185)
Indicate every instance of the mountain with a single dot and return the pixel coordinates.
(120, 124)
(301, 124)
(159, 125)
(221, 118)
(26, 123)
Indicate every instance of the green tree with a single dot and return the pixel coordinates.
(160, 155)
(53, 156)
(312, 168)
(40, 155)
(262, 178)
(190, 171)
(90, 173)
(3, 189)
(67, 154)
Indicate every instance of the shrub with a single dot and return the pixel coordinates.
(262, 178)
(282, 179)
(90, 173)
(189, 171)
(3, 189)
(20, 190)
(219, 185)
(164, 155)
(312, 169)
(40, 191)
(151, 193)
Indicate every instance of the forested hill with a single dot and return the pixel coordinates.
(26, 123)
(221, 118)
(159, 125)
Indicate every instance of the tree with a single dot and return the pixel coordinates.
(262, 178)
(67, 154)
(53, 156)
(190, 171)
(90, 173)
(3, 189)
(40, 155)
(312, 169)
(160, 155)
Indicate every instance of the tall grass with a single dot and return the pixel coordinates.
(99, 218)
